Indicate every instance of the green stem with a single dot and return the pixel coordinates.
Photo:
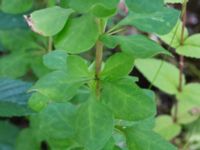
(50, 44)
(99, 56)
(181, 58)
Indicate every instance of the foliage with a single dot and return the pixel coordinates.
(82, 104)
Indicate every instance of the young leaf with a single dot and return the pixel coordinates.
(55, 60)
(173, 38)
(161, 74)
(127, 100)
(97, 7)
(41, 21)
(161, 21)
(117, 66)
(13, 98)
(16, 6)
(166, 127)
(83, 29)
(191, 47)
(56, 121)
(94, 125)
(8, 134)
(136, 137)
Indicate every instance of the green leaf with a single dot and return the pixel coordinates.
(136, 137)
(132, 45)
(55, 60)
(94, 125)
(14, 60)
(11, 40)
(38, 68)
(173, 38)
(191, 47)
(161, 74)
(185, 114)
(16, 6)
(12, 21)
(8, 134)
(13, 98)
(145, 6)
(127, 100)
(82, 29)
(100, 8)
(173, 1)
(27, 141)
(166, 127)
(58, 86)
(190, 93)
(110, 144)
(160, 22)
(56, 121)
(117, 66)
(41, 21)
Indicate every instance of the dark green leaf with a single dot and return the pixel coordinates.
(13, 98)
(94, 125)
(127, 100)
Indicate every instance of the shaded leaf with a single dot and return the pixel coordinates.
(13, 98)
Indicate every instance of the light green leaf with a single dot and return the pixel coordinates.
(16, 6)
(185, 114)
(13, 98)
(81, 29)
(127, 100)
(110, 144)
(190, 93)
(160, 22)
(27, 141)
(94, 125)
(41, 21)
(136, 137)
(100, 8)
(117, 66)
(161, 74)
(56, 121)
(8, 134)
(166, 127)
(191, 47)
(55, 60)
(173, 38)
(173, 1)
